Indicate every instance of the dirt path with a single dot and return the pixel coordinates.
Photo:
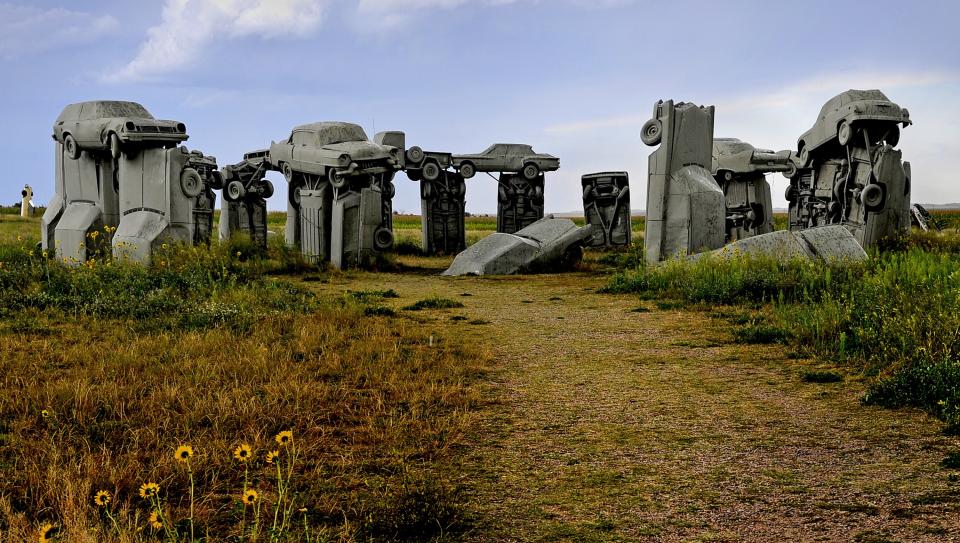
(621, 426)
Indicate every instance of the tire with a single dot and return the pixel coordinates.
(426, 190)
(461, 188)
(531, 171)
(503, 196)
(652, 132)
(382, 239)
(414, 175)
(234, 191)
(468, 170)
(266, 189)
(287, 171)
(726, 175)
(191, 183)
(216, 180)
(293, 195)
(415, 155)
(872, 195)
(791, 171)
(588, 194)
(845, 133)
(431, 171)
(113, 143)
(790, 194)
(70, 147)
(337, 181)
(804, 158)
(893, 136)
(389, 190)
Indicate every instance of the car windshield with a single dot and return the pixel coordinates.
(339, 134)
(109, 110)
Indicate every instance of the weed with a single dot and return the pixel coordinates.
(435, 302)
(821, 376)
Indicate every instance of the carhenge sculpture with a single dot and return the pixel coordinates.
(685, 206)
(606, 206)
(850, 173)
(245, 194)
(118, 167)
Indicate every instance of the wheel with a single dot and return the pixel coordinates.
(588, 194)
(426, 190)
(382, 239)
(538, 194)
(804, 158)
(234, 191)
(791, 194)
(387, 177)
(531, 171)
(893, 136)
(503, 196)
(431, 171)
(216, 180)
(71, 147)
(113, 143)
(872, 195)
(461, 188)
(266, 189)
(791, 170)
(468, 170)
(651, 133)
(389, 190)
(337, 181)
(414, 175)
(190, 182)
(414, 155)
(287, 172)
(726, 175)
(844, 133)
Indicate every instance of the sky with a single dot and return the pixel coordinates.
(573, 78)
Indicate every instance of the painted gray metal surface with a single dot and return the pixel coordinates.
(314, 213)
(443, 211)
(606, 206)
(822, 244)
(506, 158)
(113, 126)
(519, 202)
(356, 234)
(547, 244)
(245, 194)
(739, 168)
(685, 206)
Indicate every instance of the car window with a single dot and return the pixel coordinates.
(302, 138)
(109, 110)
(331, 135)
(70, 113)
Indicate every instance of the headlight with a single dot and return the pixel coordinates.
(395, 153)
(181, 128)
(344, 160)
(130, 126)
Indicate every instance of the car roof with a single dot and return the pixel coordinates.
(109, 103)
(316, 127)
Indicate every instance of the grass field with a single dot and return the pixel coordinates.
(711, 407)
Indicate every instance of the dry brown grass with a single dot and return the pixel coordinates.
(375, 409)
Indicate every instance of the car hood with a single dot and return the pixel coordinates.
(360, 149)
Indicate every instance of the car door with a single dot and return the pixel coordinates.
(87, 132)
(70, 118)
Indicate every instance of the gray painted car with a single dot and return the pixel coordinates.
(846, 115)
(507, 158)
(732, 156)
(332, 150)
(112, 125)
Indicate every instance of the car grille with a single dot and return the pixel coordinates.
(368, 164)
(157, 129)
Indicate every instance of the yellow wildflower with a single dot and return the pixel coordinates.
(285, 438)
(102, 498)
(154, 521)
(43, 534)
(243, 453)
(250, 497)
(273, 456)
(184, 453)
(149, 490)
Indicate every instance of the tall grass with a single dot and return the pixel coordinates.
(895, 318)
(107, 369)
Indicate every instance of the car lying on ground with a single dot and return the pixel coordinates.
(507, 158)
(732, 156)
(845, 117)
(332, 150)
(113, 126)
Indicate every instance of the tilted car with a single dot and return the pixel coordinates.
(507, 158)
(732, 156)
(332, 150)
(107, 125)
(844, 116)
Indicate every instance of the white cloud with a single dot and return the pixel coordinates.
(189, 26)
(26, 30)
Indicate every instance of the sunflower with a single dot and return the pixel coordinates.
(284, 438)
(250, 497)
(273, 457)
(149, 490)
(154, 521)
(43, 534)
(184, 453)
(102, 498)
(243, 453)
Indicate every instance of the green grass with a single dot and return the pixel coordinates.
(895, 318)
(435, 302)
